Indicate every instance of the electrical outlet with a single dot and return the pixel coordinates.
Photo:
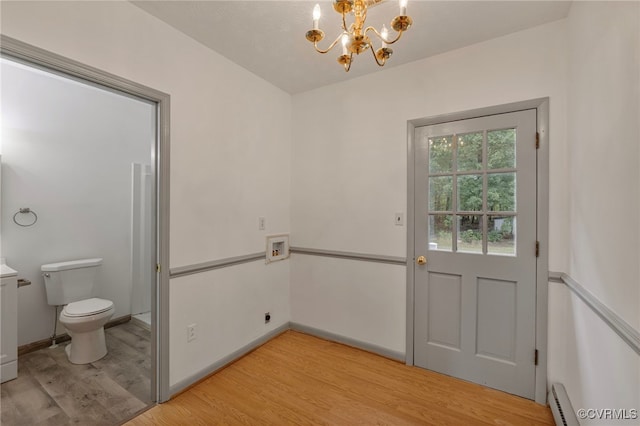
(191, 332)
(267, 317)
(399, 219)
(261, 223)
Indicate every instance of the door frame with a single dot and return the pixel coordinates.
(541, 105)
(40, 58)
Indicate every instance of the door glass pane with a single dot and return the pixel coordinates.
(501, 235)
(440, 193)
(440, 232)
(470, 152)
(501, 149)
(469, 234)
(469, 193)
(501, 192)
(440, 154)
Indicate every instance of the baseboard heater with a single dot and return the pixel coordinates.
(561, 407)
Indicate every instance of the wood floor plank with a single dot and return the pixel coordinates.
(370, 395)
(325, 400)
(133, 336)
(127, 365)
(25, 402)
(50, 391)
(357, 378)
(409, 374)
(300, 379)
(111, 395)
(70, 387)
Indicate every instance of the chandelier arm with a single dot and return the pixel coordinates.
(315, 44)
(376, 57)
(344, 22)
(380, 36)
(348, 67)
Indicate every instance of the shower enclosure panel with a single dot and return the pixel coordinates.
(142, 264)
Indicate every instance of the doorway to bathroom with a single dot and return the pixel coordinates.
(87, 154)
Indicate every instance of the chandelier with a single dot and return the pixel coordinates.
(355, 38)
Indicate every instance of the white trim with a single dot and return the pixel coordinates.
(542, 217)
(254, 344)
(350, 255)
(338, 338)
(223, 362)
(630, 335)
(237, 260)
(197, 268)
(411, 253)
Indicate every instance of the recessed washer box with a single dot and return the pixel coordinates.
(277, 247)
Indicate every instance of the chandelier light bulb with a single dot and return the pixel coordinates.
(345, 41)
(384, 33)
(403, 7)
(316, 16)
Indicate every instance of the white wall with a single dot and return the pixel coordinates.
(237, 301)
(230, 159)
(231, 130)
(67, 152)
(601, 371)
(361, 300)
(350, 170)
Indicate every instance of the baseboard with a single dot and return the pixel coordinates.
(140, 323)
(191, 381)
(8, 371)
(64, 337)
(561, 407)
(369, 347)
(118, 321)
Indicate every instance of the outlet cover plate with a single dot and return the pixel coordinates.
(191, 333)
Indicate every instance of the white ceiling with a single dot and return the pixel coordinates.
(267, 37)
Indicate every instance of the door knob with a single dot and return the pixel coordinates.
(421, 260)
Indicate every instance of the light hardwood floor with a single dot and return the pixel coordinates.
(300, 379)
(51, 391)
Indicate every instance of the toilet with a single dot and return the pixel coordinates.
(72, 284)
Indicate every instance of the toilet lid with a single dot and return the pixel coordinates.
(87, 307)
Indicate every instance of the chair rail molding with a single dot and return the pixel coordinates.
(622, 328)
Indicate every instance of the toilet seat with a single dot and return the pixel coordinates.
(87, 307)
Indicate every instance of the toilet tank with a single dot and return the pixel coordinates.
(70, 281)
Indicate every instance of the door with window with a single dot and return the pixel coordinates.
(475, 248)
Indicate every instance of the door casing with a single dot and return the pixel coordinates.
(542, 213)
(40, 58)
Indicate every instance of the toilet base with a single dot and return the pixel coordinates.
(86, 347)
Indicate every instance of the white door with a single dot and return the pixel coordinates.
(475, 213)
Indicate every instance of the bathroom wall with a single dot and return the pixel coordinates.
(230, 164)
(67, 150)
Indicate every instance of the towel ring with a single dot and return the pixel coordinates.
(25, 210)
